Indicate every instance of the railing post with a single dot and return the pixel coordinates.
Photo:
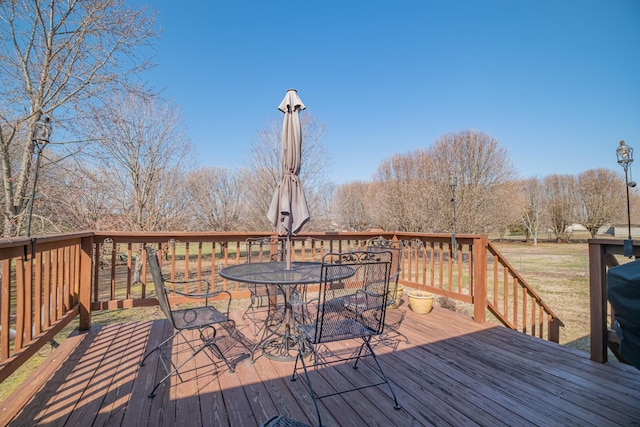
(479, 291)
(598, 303)
(554, 329)
(86, 268)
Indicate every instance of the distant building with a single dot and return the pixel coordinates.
(575, 227)
(621, 230)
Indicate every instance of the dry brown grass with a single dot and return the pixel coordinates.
(559, 273)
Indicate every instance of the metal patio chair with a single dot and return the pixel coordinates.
(347, 309)
(197, 314)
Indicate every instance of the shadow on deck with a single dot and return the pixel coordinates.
(454, 372)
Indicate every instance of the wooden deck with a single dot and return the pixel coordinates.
(454, 372)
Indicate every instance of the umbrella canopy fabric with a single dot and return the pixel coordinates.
(289, 211)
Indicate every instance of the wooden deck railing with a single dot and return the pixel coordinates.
(48, 281)
(515, 303)
(488, 282)
(42, 283)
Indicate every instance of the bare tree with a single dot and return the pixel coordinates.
(598, 198)
(416, 192)
(324, 215)
(58, 57)
(72, 198)
(265, 167)
(407, 193)
(353, 206)
(216, 198)
(560, 194)
(140, 160)
(534, 207)
(485, 180)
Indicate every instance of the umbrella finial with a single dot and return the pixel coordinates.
(291, 102)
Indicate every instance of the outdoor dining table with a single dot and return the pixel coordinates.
(278, 341)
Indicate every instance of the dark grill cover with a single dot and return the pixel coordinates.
(623, 291)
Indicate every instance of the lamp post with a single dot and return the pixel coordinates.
(453, 183)
(624, 154)
(40, 137)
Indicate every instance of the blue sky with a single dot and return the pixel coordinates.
(557, 82)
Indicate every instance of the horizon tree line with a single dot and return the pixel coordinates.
(123, 186)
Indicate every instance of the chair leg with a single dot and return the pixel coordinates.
(210, 341)
(258, 301)
(153, 392)
(309, 387)
(384, 376)
(299, 312)
(266, 333)
(158, 347)
(170, 367)
(395, 326)
(207, 342)
(295, 368)
(366, 341)
(255, 301)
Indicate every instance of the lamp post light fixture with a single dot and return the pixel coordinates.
(624, 154)
(453, 183)
(40, 137)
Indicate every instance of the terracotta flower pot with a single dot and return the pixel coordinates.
(420, 302)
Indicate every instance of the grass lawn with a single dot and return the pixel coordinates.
(559, 273)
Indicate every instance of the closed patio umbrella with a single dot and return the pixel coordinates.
(289, 211)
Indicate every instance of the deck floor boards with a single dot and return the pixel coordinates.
(453, 372)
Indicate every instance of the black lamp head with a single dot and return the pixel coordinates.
(41, 129)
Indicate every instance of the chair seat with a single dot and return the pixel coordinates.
(192, 318)
(352, 305)
(339, 330)
(361, 302)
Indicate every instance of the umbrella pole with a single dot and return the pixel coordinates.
(288, 251)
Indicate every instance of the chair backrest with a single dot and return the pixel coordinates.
(359, 298)
(382, 244)
(273, 248)
(396, 258)
(265, 249)
(158, 282)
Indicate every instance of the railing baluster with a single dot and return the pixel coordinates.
(112, 291)
(5, 321)
(20, 314)
(47, 289)
(129, 271)
(37, 289)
